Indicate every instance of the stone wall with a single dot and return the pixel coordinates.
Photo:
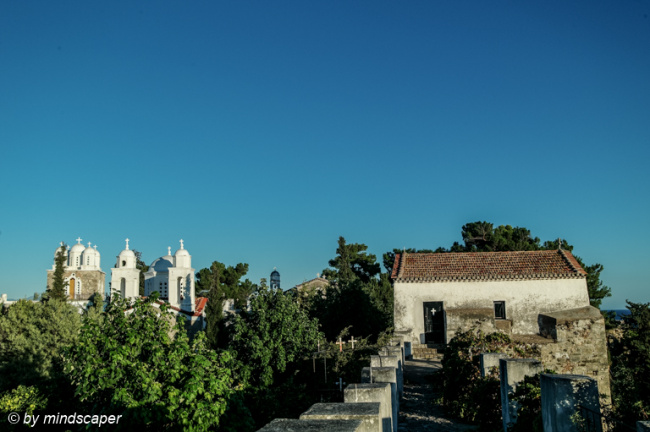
(580, 346)
(465, 318)
(92, 281)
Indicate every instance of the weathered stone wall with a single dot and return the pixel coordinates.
(580, 346)
(92, 281)
(465, 318)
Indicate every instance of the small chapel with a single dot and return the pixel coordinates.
(82, 275)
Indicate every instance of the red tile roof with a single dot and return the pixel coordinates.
(199, 305)
(429, 267)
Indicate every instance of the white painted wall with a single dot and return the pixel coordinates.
(525, 300)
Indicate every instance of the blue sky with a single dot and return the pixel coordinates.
(259, 132)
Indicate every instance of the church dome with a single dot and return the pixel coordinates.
(162, 264)
(78, 248)
(126, 258)
(182, 251)
(127, 253)
(182, 257)
(89, 251)
(65, 251)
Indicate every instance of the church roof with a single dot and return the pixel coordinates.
(432, 267)
(199, 306)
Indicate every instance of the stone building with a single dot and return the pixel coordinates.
(437, 294)
(540, 298)
(317, 285)
(82, 271)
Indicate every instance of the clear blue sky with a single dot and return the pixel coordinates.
(261, 131)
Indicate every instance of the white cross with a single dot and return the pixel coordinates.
(88, 244)
(352, 341)
(340, 344)
(169, 250)
(181, 243)
(127, 244)
(78, 239)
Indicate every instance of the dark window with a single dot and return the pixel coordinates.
(500, 309)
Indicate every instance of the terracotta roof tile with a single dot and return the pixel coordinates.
(428, 267)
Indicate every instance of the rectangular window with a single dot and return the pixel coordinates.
(500, 310)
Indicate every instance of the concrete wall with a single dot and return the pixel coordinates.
(525, 300)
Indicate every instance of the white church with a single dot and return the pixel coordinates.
(172, 276)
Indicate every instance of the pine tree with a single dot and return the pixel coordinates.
(58, 290)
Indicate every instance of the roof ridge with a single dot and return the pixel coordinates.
(570, 262)
(401, 264)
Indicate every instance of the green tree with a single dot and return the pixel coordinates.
(358, 298)
(271, 336)
(351, 262)
(140, 363)
(58, 289)
(143, 267)
(220, 283)
(630, 367)
(32, 338)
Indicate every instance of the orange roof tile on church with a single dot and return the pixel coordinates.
(430, 267)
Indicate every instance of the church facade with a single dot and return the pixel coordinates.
(438, 294)
(171, 276)
(82, 271)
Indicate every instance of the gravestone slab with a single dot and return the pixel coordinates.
(643, 426)
(367, 412)
(490, 360)
(378, 392)
(561, 397)
(384, 375)
(294, 425)
(513, 371)
(390, 361)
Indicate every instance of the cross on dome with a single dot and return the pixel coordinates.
(88, 244)
(127, 244)
(95, 247)
(79, 240)
(169, 250)
(181, 243)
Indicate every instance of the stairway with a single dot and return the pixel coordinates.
(426, 351)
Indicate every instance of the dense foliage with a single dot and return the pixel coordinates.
(58, 289)
(466, 394)
(220, 283)
(33, 336)
(272, 335)
(359, 296)
(139, 362)
(528, 396)
(630, 367)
